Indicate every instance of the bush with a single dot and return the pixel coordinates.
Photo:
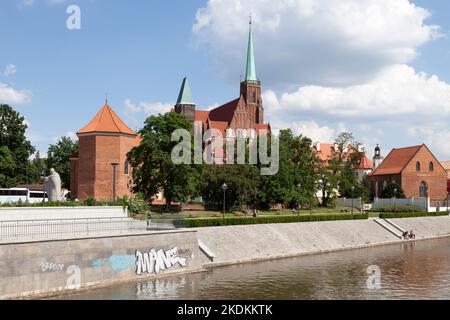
(137, 205)
(91, 202)
(399, 208)
(411, 215)
(212, 222)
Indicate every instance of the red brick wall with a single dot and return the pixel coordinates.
(95, 172)
(436, 179)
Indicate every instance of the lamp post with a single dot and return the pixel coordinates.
(447, 203)
(299, 189)
(43, 185)
(114, 165)
(395, 200)
(224, 188)
(353, 192)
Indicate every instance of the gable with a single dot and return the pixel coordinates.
(424, 156)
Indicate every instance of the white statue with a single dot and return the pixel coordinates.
(52, 185)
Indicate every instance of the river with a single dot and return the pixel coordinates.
(410, 270)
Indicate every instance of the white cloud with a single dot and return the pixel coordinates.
(10, 70)
(154, 108)
(395, 92)
(10, 95)
(323, 42)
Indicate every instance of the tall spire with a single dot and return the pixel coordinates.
(251, 70)
(185, 96)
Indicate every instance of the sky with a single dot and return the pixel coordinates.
(376, 68)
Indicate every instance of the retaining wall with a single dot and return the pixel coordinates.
(57, 266)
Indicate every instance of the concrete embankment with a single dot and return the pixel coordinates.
(239, 244)
(59, 266)
(43, 267)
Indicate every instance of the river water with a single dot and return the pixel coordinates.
(410, 270)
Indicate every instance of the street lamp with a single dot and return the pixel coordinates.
(224, 188)
(43, 185)
(114, 165)
(395, 200)
(447, 203)
(353, 191)
(299, 189)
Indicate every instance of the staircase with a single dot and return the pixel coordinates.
(391, 227)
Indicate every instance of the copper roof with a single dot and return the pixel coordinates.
(106, 121)
(396, 160)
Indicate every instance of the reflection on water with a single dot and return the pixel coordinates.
(419, 270)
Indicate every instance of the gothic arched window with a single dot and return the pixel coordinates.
(418, 166)
(126, 168)
(431, 166)
(423, 189)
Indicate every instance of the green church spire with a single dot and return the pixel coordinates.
(185, 96)
(251, 70)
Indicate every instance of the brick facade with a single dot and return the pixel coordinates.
(431, 174)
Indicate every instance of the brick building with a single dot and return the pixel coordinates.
(243, 116)
(416, 169)
(104, 141)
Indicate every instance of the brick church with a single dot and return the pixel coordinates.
(243, 116)
(106, 140)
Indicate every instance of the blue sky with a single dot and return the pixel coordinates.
(312, 63)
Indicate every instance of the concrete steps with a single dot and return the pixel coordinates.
(389, 226)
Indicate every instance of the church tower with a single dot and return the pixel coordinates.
(377, 159)
(185, 104)
(251, 86)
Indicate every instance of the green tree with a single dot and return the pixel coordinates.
(153, 169)
(58, 156)
(242, 182)
(337, 174)
(389, 191)
(7, 167)
(297, 168)
(37, 168)
(12, 136)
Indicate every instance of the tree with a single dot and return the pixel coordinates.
(58, 156)
(337, 173)
(242, 182)
(7, 167)
(38, 167)
(153, 169)
(12, 136)
(297, 167)
(389, 191)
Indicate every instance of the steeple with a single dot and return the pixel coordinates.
(185, 104)
(251, 70)
(185, 96)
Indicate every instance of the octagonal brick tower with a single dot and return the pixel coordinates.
(105, 140)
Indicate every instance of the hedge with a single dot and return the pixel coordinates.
(215, 222)
(394, 215)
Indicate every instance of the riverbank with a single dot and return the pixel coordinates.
(242, 244)
(32, 269)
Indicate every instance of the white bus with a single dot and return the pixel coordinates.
(19, 195)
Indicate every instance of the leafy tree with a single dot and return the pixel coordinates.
(297, 167)
(242, 182)
(58, 156)
(7, 167)
(337, 173)
(12, 136)
(389, 191)
(38, 166)
(153, 169)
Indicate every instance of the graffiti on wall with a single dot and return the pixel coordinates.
(154, 262)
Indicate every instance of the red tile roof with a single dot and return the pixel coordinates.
(396, 161)
(365, 163)
(224, 113)
(106, 121)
